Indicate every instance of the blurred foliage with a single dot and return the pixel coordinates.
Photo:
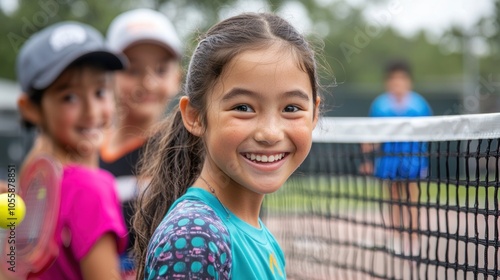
(357, 48)
(354, 49)
(32, 16)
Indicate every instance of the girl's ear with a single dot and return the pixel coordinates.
(29, 110)
(190, 117)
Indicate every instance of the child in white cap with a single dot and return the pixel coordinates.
(143, 90)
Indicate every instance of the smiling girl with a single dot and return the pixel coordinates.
(243, 127)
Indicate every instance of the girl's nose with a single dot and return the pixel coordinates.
(269, 131)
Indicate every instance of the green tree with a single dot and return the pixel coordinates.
(31, 16)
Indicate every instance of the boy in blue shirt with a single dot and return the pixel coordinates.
(403, 162)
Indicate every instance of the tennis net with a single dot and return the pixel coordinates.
(393, 198)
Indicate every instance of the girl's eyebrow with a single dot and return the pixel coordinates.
(163, 59)
(64, 86)
(236, 92)
(296, 93)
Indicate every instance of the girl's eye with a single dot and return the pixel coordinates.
(100, 92)
(291, 109)
(161, 69)
(243, 108)
(69, 98)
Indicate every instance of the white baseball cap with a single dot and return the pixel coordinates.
(143, 25)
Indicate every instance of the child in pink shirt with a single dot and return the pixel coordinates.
(67, 97)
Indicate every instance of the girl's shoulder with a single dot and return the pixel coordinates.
(80, 181)
(94, 185)
(90, 208)
(194, 233)
(193, 215)
(79, 174)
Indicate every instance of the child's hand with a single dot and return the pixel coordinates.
(366, 168)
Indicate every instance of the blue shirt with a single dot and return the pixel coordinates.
(412, 105)
(200, 239)
(394, 164)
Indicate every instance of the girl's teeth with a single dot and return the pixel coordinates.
(90, 131)
(264, 158)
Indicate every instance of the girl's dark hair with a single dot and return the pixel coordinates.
(173, 158)
(35, 96)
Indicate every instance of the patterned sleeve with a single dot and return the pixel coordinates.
(190, 243)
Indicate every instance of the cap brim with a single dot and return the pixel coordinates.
(103, 58)
(106, 59)
(153, 41)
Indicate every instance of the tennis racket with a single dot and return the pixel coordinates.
(35, 247)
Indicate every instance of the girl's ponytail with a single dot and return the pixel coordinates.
(170, 164)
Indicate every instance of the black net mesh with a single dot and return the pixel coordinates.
(424, 210)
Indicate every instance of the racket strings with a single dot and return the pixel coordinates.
(29, 232)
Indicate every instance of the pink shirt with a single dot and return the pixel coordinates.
(89, 209)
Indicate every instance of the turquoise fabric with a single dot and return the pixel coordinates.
(200, 239)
